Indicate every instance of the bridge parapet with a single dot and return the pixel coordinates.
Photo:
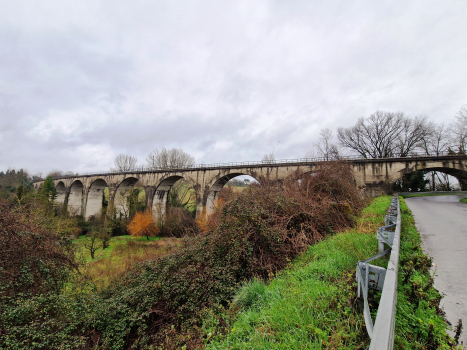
(280, 162)
(372, 176)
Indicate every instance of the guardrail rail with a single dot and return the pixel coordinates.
(369, 277)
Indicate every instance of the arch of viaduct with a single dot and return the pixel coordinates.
(82, 195)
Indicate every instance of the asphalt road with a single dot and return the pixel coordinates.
(442, 223)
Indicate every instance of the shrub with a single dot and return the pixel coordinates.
(143, 225)
(33, 260)
(35, 266)
(178, 222)
(117, 227)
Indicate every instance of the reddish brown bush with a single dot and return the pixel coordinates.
(178, 222)
(143, 225)
(276, 221)
(206, 222)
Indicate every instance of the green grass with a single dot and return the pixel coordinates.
(105, 253)
(122, 252)
(312, 305)
(463, 200)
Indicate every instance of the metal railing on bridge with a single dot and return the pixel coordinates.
(385, 280)
(295, 161)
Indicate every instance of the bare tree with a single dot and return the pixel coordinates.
(269, 158)
(437, 140)
(443, 182)
(435, 143)
(169, 159)
(459, 130)
(413, 132)
(104, 236)
(91, 243)
(125, 162)
(55, 173)
(385, 134)
(324, 148)
(121, 205)
(372, 137)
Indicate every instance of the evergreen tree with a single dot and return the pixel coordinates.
(49, 190)
(20, 191)
(414, 181)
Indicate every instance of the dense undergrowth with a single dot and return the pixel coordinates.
(313, 303)
(184, 300)
(257, 234)
(163, 302)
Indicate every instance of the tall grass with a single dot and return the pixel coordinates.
(122, 253)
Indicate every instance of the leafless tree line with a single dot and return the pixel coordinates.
(388, 134)
(169, 158)
(158, 159)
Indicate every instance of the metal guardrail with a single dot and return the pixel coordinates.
(385, 280)
(253, 163)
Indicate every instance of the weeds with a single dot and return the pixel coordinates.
(458, 331)
(32, 260)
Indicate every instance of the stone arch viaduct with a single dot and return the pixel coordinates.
(82, 194)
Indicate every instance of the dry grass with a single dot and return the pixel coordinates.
(237, 189)
(125, 254)
(368, 223)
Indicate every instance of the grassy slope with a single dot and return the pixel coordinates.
(312, 304)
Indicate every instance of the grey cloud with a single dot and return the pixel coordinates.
(226, 81)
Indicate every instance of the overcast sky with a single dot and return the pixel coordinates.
(82, 81)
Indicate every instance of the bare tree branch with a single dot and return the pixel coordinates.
(324, 148)
(437, 140)
(412, 134)
(169, 159)
(269, 158)
(125, 162)
(459, 130)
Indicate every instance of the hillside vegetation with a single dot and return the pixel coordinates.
(313, 303)
(163, 302)
(137, 295)
(257, 233)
